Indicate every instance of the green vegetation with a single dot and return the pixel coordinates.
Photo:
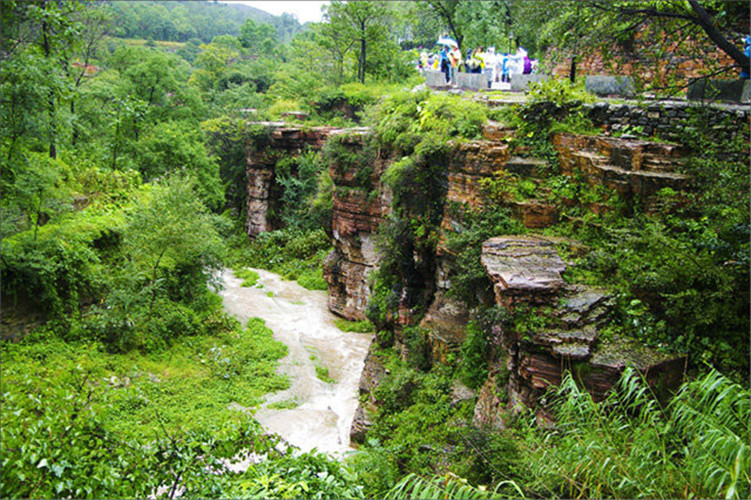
(322, 371)
(417, 127)
(249, 277)
(354, 326)
(287, 404)
(127, 132)
(629, 446)
(294, 254)
(69, 402)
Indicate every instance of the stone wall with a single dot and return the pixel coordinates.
(647, 59)
(668, 118)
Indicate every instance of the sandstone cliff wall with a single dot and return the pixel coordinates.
(525, 271)
(261, 189)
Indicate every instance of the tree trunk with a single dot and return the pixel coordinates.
(114, 146)
(362, 59)
(51, 98)
(53, 126)
(706, 23)
(74, 139)
(572, 71)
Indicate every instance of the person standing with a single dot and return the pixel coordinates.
(455, 58)
(445, 65)
(505, 69)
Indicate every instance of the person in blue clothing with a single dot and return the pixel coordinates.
(445, 65)
(747, 51)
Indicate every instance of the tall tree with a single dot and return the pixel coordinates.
(576, 27)
(363, 20)
(94, 21)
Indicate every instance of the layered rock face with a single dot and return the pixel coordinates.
(563, 330)
(372, 373)
(633, 168)
(357, 211)
(285, 142)
(526, 271)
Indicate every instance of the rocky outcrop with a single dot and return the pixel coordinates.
(634, 169)
(372, 373)
(284, 142)
(523, 269)
(446, 320)
(490, 408)
(358, 205)
(558, 328)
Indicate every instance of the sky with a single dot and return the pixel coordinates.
(303, 9)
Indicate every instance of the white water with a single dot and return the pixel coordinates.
(300, 319)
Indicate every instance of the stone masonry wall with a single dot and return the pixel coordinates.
(667, 118)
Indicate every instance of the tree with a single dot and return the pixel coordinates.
(258, 38)
(337, 43)
(576, 27)
(95, 25)
(716, 19)
(171, 147)
(171, 231)
(46, 28)
(362, 21)
(446, 10)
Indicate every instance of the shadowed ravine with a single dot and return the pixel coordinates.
(300, 319)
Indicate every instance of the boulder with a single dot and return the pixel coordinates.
(603, 85)
(736, 91)
(523, 269)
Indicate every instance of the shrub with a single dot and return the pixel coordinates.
(628, 446)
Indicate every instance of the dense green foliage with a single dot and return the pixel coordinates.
(123, 377)
(417, 127)
(187, 20)
(294, 254)
(629, 447)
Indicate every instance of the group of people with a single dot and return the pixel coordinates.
(497, 67)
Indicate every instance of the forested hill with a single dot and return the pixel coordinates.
(182, 21)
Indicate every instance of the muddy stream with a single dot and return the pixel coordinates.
(301, 320)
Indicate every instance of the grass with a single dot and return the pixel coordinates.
(270, 294)
(187, 387)
(354, 326)
(287, 404)
(322, 371)
(250, 278)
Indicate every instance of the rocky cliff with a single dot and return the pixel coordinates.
(359, 203)
(563, 330)
(285, 142)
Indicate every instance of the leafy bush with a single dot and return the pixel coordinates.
(294, 254)
(469, 280)
(354, 326)
(628, 446)
(559, 91)
(473, 368)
